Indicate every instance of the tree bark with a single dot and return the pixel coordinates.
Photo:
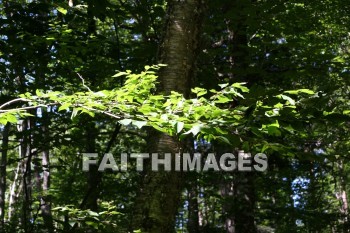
(226, 191)
(245, 200)
(342, 197)
(237, 191)
(93, 176)
(3, 165)
(241, 189)
(159, 198)
(45, 201)
(193, 208)
(15, 190)
(26, 155)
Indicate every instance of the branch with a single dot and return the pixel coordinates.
(13, 101)
(25, 108)
(20, 109)
(100, 111)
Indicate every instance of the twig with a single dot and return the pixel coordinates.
(82, 79)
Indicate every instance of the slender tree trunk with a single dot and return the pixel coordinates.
(342, 197)
(193, 208)
(18, 184)
(3, 165)
(15, 191)
(22, 179)
(226, 192)
(245, 200)
(241, 218)
(239, 202)
(27, 174)
(43, 81)
(45, 201)
(159, 198)
(93, 176)
(292, 219)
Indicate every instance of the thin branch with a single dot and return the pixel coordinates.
(82, 79)
(14, 101)
(20, 109)
(100, 111)
(28, 108)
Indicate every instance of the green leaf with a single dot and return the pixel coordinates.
(195, 130)
(339, 59)
(220, 131)
(241, 86)
(72, 223)
(139, 124)
(92, 213)
(3, 121)
(199, 91)
(295, 92)
(276, 124)
(223, 99)
(64, 106)
(287, 98)
(39, 92)
(62, 10)
(224, 139)
(273, 130)
(179, 126)
(74, 113)
(93, 224)
(125, 122)
(11, 118)
(120, 74)
(223, 85)
(7, 117)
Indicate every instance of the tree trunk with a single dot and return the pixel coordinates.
(226, 191)
(245, 199)
(159, 198)
(193, 208)
(241, 189)
(45, 201)
(93, 176)
(3, 165)
(26, 155)
(342, 197)
(15, 190)
(22, 179)
(239, 201)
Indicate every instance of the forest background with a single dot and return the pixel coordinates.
(114, 76)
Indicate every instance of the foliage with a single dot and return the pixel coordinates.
(272, 77)
(136, 104)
